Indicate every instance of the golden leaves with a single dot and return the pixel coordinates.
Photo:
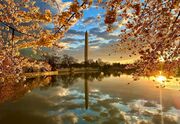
(137, 8)
(110, 17)
(89, 2)
(150, 26)
(154, 29)
(159, 1)
(75, 7)
(48, 16)
(48, 12)
(176, 4)
(99, 1)
(1, 6)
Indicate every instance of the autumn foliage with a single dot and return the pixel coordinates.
(25, 24)
(150, 29)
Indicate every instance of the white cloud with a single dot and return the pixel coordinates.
(63, 92)
(94, 47)
(70, 117)
(62, 5)
(59, 46)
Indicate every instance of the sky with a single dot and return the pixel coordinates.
(100, 41)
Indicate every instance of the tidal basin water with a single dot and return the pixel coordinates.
(93, 98)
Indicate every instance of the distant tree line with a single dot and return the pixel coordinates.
(66, 61)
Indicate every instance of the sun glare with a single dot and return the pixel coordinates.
(160, 78)
(161, 59)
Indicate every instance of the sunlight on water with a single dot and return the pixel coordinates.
(103, 98)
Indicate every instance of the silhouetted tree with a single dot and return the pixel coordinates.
(67, 60)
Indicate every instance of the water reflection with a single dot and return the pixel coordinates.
(10, 91)
(161, 103)
(102, 98)
(86, 90)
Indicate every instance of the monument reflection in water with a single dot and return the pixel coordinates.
(86, 91)
(111, 98)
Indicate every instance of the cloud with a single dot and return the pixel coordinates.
(71, 40)
(62, 45)
(73, 32)
(94, 47)
(89, 20)
(95, 37)
(99, 40)
(95, 30)
(103, 34)
(96, 41)
(62, 5)
(63, 92)
(68, 118)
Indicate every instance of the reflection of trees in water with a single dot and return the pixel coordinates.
(11, 90)
(67, 80)
(70, 79)
(107, 74)
(64, 80)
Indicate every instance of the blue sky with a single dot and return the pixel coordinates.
(100, 41)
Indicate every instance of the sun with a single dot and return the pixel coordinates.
(161, 78)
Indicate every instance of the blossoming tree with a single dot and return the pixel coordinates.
(150, 28)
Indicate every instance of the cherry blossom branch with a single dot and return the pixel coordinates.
(68, 19)
(17, 30)
(177, 17)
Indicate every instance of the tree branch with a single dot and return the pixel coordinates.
(177, 17)
(17, 30)
(68, 20)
